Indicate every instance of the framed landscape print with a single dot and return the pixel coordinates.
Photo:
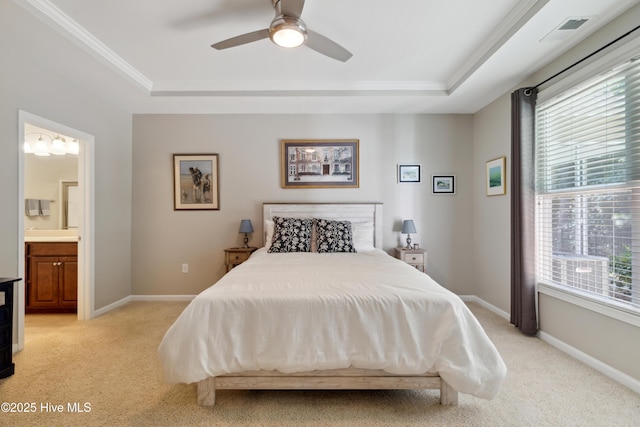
(496, 184)
(443, 184)
(196, 182)
(320, 163)
(408, 173)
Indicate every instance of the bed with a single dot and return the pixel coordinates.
(312, 318)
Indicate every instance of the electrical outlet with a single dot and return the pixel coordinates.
(185, 268)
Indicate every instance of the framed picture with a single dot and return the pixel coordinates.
(496, 183)
(408, 173)
(196, 182)
(320, 163)
(443, 184)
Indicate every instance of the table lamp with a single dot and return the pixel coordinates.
(246, 227)
(408, 228)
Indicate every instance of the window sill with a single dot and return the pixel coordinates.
(590, 303)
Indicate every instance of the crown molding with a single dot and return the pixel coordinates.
(294, 89)
(511, 24)
(44, 9)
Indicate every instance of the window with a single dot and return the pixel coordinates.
(588, 188)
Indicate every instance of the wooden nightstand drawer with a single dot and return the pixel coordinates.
(414, 257)
(236, 256)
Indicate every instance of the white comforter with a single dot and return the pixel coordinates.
(308, 311)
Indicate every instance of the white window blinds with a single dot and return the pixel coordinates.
(588, 188)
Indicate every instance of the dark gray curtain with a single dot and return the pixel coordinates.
(523, 268)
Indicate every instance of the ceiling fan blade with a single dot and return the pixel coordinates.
(243, 39)
(327, 47)
(291, 7)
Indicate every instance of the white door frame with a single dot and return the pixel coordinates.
(86, 228)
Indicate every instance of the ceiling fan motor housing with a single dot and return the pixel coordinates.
(287, 31)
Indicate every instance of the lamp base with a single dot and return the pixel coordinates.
(408, 241)
(246, 241)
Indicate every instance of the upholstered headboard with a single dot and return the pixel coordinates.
(357, 213)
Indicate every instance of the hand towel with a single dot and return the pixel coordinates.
(45, 207)
(32, 207)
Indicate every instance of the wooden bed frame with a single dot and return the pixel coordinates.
(339, 379)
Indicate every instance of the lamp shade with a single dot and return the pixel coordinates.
(245, 226)
(408, 227)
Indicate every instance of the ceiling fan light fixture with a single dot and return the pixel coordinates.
(288, 32)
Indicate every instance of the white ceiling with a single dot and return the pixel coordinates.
(409, 56)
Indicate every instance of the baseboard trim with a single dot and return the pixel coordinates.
(490, 307)
(112, 306)
(132, 298)
(603, 368)
(162, 297)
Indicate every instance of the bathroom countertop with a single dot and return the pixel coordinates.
(51, 235)
(51, 239)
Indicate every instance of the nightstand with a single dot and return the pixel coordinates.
(414, 257)
(236, 256)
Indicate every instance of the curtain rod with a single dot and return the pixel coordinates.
(588, 56)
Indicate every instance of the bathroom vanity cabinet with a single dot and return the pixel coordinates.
(51, 277)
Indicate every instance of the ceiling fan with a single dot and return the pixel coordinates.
(288, 30)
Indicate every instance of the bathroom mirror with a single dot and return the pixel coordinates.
(70, 204)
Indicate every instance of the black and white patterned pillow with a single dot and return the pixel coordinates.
(291, 234)
(334, 236)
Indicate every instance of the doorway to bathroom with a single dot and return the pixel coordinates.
(55, 193)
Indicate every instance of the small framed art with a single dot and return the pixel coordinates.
(196, 182)
(409, 173)
(443, 184)
(496, 184)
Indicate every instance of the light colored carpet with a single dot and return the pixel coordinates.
(111, 364)
(39, 325)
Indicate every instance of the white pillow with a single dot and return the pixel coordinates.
(362, 236)
(268, 233)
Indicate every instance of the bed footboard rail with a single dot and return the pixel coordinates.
(347, 379)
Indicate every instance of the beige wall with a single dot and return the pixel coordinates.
(491, 242)
(249, 148)
(46, 75)
(608, 340)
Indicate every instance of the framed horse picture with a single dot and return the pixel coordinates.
(196, 184)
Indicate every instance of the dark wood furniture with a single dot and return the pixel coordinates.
(51, 277)
(236, 256)
(7, 367)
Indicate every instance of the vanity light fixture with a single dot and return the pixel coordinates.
(46, 145)
(73, 147)
(41, 148)
(58, 146)
(27, 148)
